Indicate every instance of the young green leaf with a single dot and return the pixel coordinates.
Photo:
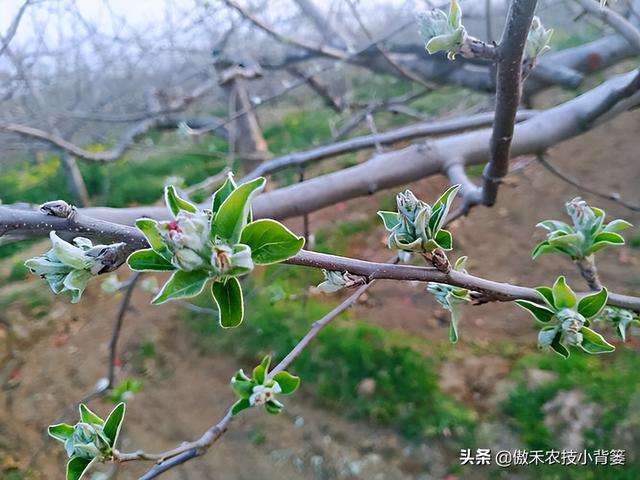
(553, 225)
(390, 219)
(558, 347)
(570, 240)
(288, 383)
(149, 260)
(240, 405)
(242, 388)
(149, 228)
(440, 208)
(541, 249)
(540, 313)
(60, 432)
(259, 374)
(182, 285)
(78, 466)
(222, 193)
(454, 308)
(593, 342)
(605, 239)
(273, 407)
(175, 203)
(617, 225)
(590, 305)
(113, 423)
(563, 296)
(270, 241)
(87, 416)
(228, 297)
(444, 239)
(231, 217)
(547, 295)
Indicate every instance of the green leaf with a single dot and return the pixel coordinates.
(440, 43)
(454, 308)
(175, 203)
(444, 239)
(77, 467)
(222, 193)
(593, 342)
(542, 248)
(390, 219)
(440, 209)
(70, 254)
(571, 240)
(617, 225)
(240, 405)
(540, 313)
(270, 241)
(149, 228)
(149, 260)
(182, 284)
(260, 372)
(547, 295)
(591, 305)
(553, 225)
(563, 296)
(604, 239)
(228, 297)
(273, 407)
(87, 416)
(242, 388)
(231, 217)
(113, 423)
(558, 347)
(76, 281)
(288, 383)
(60, 432)
(460, 264)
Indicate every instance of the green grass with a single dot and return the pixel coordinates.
(406, 397)
(610, 382)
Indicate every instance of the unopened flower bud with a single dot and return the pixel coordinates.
(262, 394)
(582, 215)
(88, 441)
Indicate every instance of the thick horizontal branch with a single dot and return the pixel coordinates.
(428, 158)
(399, 167)
(440, 127)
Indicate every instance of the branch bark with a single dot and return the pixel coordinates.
(508, 92)
(412, 163)
(41, 223)
(614, 20)
(440, 127)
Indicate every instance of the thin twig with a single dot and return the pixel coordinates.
(117, 327)
(188, 450)
(613, 196)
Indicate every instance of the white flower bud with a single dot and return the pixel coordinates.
(262, 394)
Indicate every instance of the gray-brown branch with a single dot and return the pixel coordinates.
(40, 223)
(508, 92)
